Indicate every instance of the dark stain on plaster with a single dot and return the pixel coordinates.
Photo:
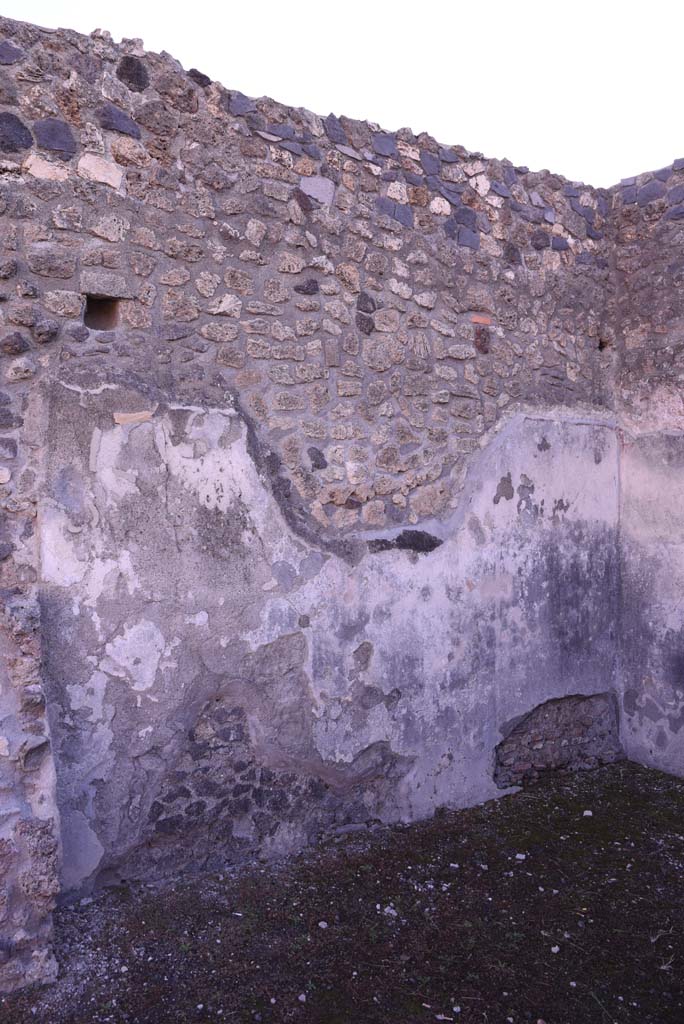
(407, 540)
(525, 491)
(505, 489)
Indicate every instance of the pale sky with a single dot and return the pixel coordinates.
(591, 90)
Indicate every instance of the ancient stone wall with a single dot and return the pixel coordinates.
(311, 443)
(573, 733)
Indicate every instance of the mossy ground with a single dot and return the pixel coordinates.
(522, 910)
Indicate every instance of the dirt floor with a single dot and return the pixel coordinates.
(563, 904)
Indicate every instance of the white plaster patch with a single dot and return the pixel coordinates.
(60, 563)
(105, 449)
(89, 696)
(135, 655)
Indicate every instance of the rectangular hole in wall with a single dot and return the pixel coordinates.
(101, 314)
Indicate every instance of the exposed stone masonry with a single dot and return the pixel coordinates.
(324, 451)
(572, 734)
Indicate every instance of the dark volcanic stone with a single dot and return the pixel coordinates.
(283, 131)
(241, 104)
(8, 448)
(385, 205)
(650, 191)
(318, 459)
(116, 120)
(501, 190)
(511, 253)
(8, 268)
(8, 91)
(366, 303)
(450, 227)
(201, 79)
(133, 73)
(466, 217)
(404, 214)
(675, 195)
(629, 195)
(365, 323)
(469, 238)
(584, 211)
(676, 213)
(308, 287)
(14, 135)
(384, 145)
(334, 130)
(559, 244)
(305, 202)
(55, 135)
(510, 177)
(9, 53)
(430, 162)
(540, 240)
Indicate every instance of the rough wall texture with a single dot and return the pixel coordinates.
(323, 456)
(572, 733)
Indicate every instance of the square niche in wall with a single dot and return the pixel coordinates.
(101, 313)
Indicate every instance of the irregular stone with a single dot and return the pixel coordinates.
(220, 332)
(469, 238)
(38, 167)
(319, 188)
(14, 135)
(133, 73)
(290, 263)
(308, 287)
(113, 119)
(440, 206)
(9, 53)
(334, 130)
(540, 240)
(45, 331)
(111, 227)
(227, 305)
(199, 78)
(55, 136)
(104, 284)
(651, 191)
(14, 344)
(96, 168)
(129, 152)
(384, 145)
(50, 261)
(63, 303)
(240, 104)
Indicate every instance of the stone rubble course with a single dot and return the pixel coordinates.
(378, 450)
